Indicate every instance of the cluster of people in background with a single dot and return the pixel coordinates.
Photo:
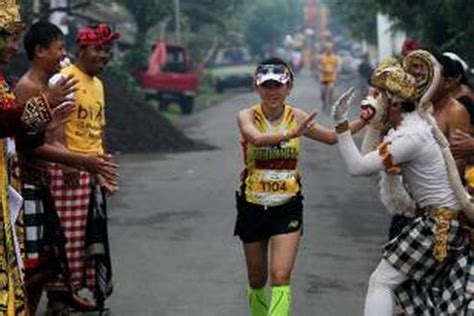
(55, 171)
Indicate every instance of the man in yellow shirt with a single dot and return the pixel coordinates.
(79, 196)
(328, 67)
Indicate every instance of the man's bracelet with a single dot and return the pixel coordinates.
(36, 114)
(342, 127)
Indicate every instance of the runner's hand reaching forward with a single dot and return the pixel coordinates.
(304, 126)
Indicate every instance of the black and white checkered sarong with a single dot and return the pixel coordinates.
(433, 288)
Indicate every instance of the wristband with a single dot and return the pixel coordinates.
(342, 127)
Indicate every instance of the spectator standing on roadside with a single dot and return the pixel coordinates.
(79, 196)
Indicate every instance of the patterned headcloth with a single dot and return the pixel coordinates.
(390, 76)
(99, 35)
(10, 19)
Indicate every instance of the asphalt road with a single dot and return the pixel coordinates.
(171, 225)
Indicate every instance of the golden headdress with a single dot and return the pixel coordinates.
(425, 85)
(390, 76)
(10, 19)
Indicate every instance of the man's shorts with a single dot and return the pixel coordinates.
(258, 223)
(329, 83)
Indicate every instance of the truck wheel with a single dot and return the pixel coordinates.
(220, 87)
(187, 104)
(163, 105)
(149, 97)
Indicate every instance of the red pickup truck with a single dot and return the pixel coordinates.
(169, 77)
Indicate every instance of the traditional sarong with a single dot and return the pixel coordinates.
(33, 219)
(434, 288)
(71, 194)
(42, 229)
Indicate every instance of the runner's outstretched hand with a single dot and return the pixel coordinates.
(306, 124)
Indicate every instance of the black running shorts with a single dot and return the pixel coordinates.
(257, 223)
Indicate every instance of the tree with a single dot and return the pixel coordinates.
(358, 17)
(147, 13)
(444, 24)
(268, 21)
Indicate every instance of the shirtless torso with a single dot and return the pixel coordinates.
(450, 115)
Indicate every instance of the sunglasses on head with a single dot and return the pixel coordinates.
(275, 69)
(271, 84)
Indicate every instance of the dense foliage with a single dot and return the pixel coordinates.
(358, 17)
(444, 24)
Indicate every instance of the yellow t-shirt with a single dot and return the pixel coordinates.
(84, 132)
(271, 175)
(328, 64)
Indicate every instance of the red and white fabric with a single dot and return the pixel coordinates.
(72, 205)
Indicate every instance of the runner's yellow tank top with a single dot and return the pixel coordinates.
(271, 175)
(328, 64)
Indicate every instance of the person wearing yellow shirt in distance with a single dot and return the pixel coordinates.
(328, 68)
(79, 196)
(269, 201)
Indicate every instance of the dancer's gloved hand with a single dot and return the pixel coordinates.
(340, 108)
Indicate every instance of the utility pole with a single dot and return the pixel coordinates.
(177, 20)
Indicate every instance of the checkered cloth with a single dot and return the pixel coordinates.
(71, 194)
(34, 228)
(433, 288)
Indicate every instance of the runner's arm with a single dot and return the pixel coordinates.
(254, 136)
(323, 134)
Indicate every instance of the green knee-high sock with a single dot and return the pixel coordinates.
(281, 301)
(257, 301)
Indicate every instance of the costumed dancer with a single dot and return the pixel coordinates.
(428, 266)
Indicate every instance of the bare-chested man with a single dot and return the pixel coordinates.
(462, 145)
(44, 46)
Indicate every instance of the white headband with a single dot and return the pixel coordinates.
(455, 57)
